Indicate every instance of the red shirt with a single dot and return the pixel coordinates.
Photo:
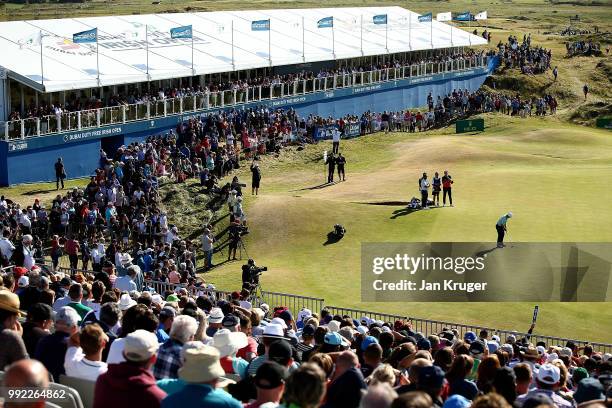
(250, 348)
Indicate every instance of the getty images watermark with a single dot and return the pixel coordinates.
(459, 272)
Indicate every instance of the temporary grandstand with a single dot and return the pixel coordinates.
(110, 90)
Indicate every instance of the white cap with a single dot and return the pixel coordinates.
(509, 214)
(549, 374)
(23, 281)
(68, 316)
(333, 326)
(362, 329)
(140, 345)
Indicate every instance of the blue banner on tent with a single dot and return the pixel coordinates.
(181, 32)
(89, 36)
(425, 18)
(260, 25)
(380, 19)
(325, 22)
(467, 16)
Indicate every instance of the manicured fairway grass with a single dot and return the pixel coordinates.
(547, 177)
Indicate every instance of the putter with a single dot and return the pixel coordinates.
(509, 240)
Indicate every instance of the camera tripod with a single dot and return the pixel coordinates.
(242, 247)
(256, 296)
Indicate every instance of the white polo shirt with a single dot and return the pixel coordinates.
(76, 365)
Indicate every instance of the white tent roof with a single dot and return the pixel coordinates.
(122, 55)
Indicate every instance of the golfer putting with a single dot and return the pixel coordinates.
(501, 228)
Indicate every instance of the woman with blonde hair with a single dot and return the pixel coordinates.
(383, 374)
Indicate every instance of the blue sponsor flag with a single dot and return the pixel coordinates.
(260, 25)
(181, 32)
(425, 18)
(380, 19)
(89, 36)
(326, 22)
(467, 16)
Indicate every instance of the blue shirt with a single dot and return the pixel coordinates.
(200, 395)
(161, 334)
(171, 385)
(502, 220)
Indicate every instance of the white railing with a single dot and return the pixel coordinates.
(113, 115)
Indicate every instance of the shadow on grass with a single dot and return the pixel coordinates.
(481, 254)
(332, 238)
(407, 211)
(318, 187)
(42, 191)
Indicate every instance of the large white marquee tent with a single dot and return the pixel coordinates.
(137, 48)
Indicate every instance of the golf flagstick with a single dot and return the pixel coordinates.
(324, 164)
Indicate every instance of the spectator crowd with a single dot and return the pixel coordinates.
(582, 47)
(198, 348)
(529, 59)
(78, 102)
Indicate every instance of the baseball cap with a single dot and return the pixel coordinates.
(507, 348)
(23, 281)
(335, 339)
(424, 344)
(362, 329)
(308, 330)
(579, 374)
(140, 345)
(549, 374)
(230, 321)
(511, 339)
(565, 351)
(280, 351)
(457, 401)
(431, 377)
(589, 389)
(477, 347)
(68, 316)
(286, 316)
(333, 326)
(469, 336)
(367, 341)
(492, 345)
(270, 375)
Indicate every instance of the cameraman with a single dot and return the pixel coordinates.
(250, 274)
